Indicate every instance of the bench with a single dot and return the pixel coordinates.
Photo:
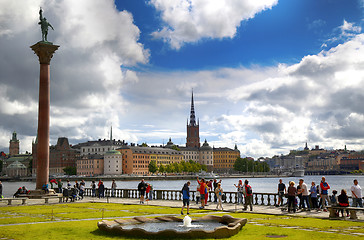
(46, 199)
(10, 200)
(352, 210)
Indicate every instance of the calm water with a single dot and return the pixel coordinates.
(263, 185)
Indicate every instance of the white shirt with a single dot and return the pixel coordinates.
(357, 190)
(304, 189)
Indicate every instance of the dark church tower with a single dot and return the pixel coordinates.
(13, 145)
(193, 129)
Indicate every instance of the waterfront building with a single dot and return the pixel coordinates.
(17, 169)
(14, 145)
(90, 165)
(113, 161)
(99, 147)
(136, 159)
(224, 159)
(351, 161)
(61, 155)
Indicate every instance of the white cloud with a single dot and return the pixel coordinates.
(96, 41)
(191, 20)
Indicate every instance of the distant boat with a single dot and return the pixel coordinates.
(296, 172)
(207, 175)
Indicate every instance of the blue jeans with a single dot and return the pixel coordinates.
(240, 197)
(305, 199)
(357, 201)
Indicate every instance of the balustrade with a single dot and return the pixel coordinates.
(175, 195)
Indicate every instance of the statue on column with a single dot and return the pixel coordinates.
(44, 26)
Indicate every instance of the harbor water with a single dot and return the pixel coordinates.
(261, 185)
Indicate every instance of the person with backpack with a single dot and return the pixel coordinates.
(333, 199)
(324, 186)
(186, 197)
(248, 194)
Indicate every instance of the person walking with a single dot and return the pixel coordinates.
(292, 191)
(203, 191)
(215, 186)
(356, 194)
(219, 192)
(281, 191)
(113, 188)
(239, 189)
(142, 188)
(248, 194)
(313, 194)
(186, 197)
(324, 186)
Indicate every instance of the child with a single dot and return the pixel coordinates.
(198, 195)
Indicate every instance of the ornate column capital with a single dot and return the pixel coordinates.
(44, 51)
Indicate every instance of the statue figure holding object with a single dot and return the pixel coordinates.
(44, 26)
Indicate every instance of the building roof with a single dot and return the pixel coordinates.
(16, 165)
(152, 150)
(113, 152)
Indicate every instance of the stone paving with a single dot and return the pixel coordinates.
(261, 209)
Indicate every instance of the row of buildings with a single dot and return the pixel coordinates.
(114, 157)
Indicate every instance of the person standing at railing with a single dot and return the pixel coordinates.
(203, 191)
(101, 189)
(356, 194)
(141, 188)
(304, 192)
(240, 190)
(281, 191)
(292, 191)
(248, 194)
(313, 193)
(186, 197)
(93, 187)
(218, 192)
(324, 186)
(113, 188)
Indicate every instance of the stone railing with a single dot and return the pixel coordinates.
(175, 195)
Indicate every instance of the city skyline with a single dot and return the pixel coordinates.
(267, 75)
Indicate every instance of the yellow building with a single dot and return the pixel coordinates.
(224, 159)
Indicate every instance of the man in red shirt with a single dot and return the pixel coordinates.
(202, 190)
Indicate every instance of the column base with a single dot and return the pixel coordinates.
(39, 193)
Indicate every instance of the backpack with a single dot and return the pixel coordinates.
(333, 199)
(249, 189)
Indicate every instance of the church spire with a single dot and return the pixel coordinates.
(192, 114)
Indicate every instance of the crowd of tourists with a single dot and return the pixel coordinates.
(317, 197)
(204, 187)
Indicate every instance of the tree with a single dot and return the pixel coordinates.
(153, 168)
(239, 165)
(162, 168)
(144, 144)
(175, 148)
(70, 170)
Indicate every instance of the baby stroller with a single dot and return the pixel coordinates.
(75, 194)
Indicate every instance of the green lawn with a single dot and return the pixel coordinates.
(79, 221)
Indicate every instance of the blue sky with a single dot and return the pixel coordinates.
(267, 75)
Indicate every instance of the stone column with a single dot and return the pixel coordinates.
(44, 51)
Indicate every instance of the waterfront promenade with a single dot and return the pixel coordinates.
(176, 206)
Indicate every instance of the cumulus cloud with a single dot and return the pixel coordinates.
(188, 21)
(95, 40)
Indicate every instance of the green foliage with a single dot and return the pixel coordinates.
(162, 169)
(70, 170)
(153, 166)
(182, 167)
(246, 165)
(175, 148)
(144, 144)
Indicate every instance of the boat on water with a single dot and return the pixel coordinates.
(295, 172)
(204, 174)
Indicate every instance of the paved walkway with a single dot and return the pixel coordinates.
(178, 204)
